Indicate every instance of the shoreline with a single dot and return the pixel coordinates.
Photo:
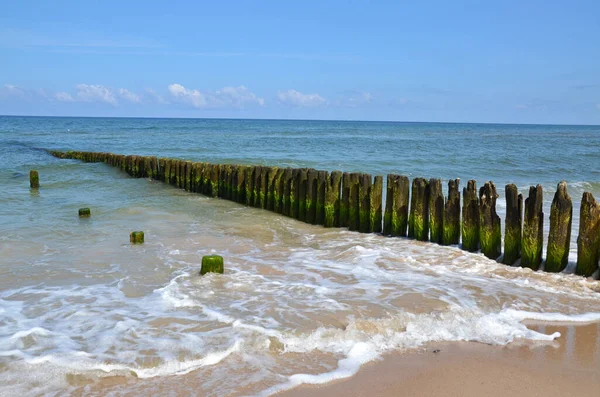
(570, 365)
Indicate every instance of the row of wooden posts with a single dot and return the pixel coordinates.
(355, 201)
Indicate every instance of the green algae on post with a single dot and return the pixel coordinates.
(278, 189)
(302, 187)
(364, 203)
(332, 200)
(396, 205)
(322, 184)
(451, 227)
(588, 241)
(212, 264)
(288, 177)
(470, 218)
(249, 185)
(436, 211)
(136, 237)
(294, 192)
(34, 179)
(311, 195)
(418, 223)
(490, 232)
(214, 180)
(353, 202)
(84, 213)
(559, 237)
(376, 205)
(513, 224)
(533, 229)
(345, 199)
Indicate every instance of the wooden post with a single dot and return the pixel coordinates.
(272, 187)
(559, 237)
(376, 205)
(257, 186)
(588, 241)
(332, 200)
(302, 191)
(85, 213)
(136, 237)
(364, 203)
(34, 179)
(345, 200)
(249, 185)
(396, 212)
(311, 195)
(533, 230)
(353, 202)
(490, 232)
(418, 223)
(294, 193)
(214, 180)
(436, 211)
(212, 264)
(513, 225)
(188, 176)
(279, 191)
(240, 184)
(288, 183)
(452, 214)
(470, 218)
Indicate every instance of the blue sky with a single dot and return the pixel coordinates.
(474, 61)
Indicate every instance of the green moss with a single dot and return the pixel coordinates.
(34, 179)
(531, 252)
(470, 237)
(136, 237)
(212, 264)
(84, 213)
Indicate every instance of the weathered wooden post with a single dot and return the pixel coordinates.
(533, 229)
(364, 203)
(588, 241)
(258, 197)
(353, 202)
(332, 200)
(272, 187)
(451, 227)
(376, 205)
(279, 191)
(311, 196)
(302, 191)
(34, 179)
(212, 264)
(559, 237)
(345, 200)
(249, 185)
(136, 237)
(436, 211)
(490, 231)
(188, 176)
(322, 185)
(85, 213)
(288, 177)
(214, 180)
(513, 224)
(418, 223)
(396, 205)
(294, 193)
(470, 218)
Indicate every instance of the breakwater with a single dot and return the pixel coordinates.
(416, 210)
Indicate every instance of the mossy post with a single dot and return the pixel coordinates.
(364, 203)
(272, 174)
(470, 218)
(288, 183)
(311, 196)
(249, 185)
(533, 229)
(85, 213)
(34, 179)
(264, 187)
(396, 205)
(588, 241)
(451, 228)
(214, 180)
(322, 185)
(513, 225)
(230, 183)
(490, 231)
(418, 223)
(559, 237)
(302, 191)
(278, 191)
(436, 211)
(332, 200)
(212, 264)
(345, 199)
(136, 237)
(389, 204)
(240, 188)
(257, 186)
(353, 202)
(294, 192)
(376, 205)
(182, 174)
(188, 176)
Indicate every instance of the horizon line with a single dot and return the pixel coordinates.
(292, 119)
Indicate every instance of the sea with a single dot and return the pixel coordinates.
(84, 312)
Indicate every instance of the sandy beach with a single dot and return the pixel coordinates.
(568, 366)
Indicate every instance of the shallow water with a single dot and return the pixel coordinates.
(298, 303)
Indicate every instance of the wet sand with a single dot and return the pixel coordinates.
(568, 366)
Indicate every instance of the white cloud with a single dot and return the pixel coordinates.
(155, 96)
(129, 96)
(227, 97)
(63, 97)
(297, 99)
(95, 93)
(13, 90)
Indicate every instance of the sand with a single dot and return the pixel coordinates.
(569, 366)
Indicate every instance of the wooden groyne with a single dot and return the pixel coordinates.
(355, 201)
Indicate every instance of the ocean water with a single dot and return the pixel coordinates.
(82, 310)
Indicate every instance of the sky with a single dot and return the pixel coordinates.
(504, 61)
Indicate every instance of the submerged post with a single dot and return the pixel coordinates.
(513, 224)
(470, 218)
(452, 214)
(559, 237)
(84, 213)
(212, 264)
(34, 179)
(533, 229)
(436, 211)
(418, 223)
(136, 237)
(588, 241)
(490, 234)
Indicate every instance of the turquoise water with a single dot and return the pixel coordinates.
(298, 303)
